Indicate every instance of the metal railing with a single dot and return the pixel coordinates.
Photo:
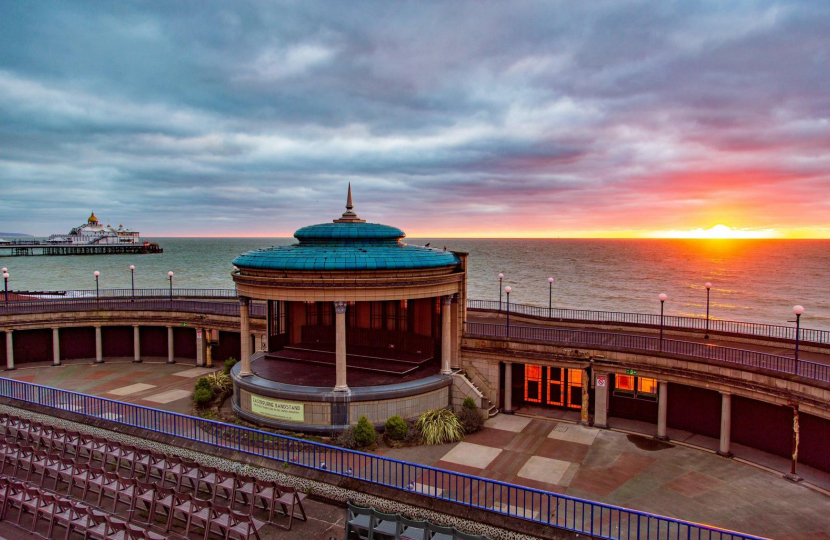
(127, 304)
(690, 349)
(570, 513)
(131, 293)
(648, 319)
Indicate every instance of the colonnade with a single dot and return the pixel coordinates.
(340, 307)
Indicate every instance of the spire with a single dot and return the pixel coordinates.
(349, 216)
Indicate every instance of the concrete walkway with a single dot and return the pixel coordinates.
(630, 470)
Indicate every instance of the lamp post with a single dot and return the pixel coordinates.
(663, 299)
(550, 297)
(170, 276)
(798, 310)
(132, 278)
(708, 288)
(507, 290)
(501, 277)
(97, 274)
(6, 280)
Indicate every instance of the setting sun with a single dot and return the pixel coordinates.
(719, 231)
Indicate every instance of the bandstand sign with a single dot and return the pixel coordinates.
(276, 409)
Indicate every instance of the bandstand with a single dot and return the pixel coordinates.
(358, 323)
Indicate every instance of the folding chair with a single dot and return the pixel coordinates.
(388, 525)
(243, 527)
(266, 492)
(126, 490)
(437, 532)
(290, 497)
(413, 529)
(360, 521)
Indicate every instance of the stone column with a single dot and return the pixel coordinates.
(508, 388)
(244, 337)
(99, 346)
(208, 347)
(725, 425)
(446, 335)
(455, 362)
(662, 409)
(200, 347)
(56, 347)
(9, 351)
(136, 344)
(586, 398)
(601, 400)
(171, 357)
(340, 346)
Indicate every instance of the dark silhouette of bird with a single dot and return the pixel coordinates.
(427, 244)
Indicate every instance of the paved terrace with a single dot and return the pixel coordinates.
(545, 453)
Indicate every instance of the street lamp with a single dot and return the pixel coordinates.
(507, 290)
(132, 277)
(170, 276)
(798, 310)
(663, 299)
(501, 277)
(6, 279)
(97, 290)
(708, 287)
(550, 297)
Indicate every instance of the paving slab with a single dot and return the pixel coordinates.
(169, 396)
(508, 422)
(544, 469)
(195, 372)
(131, 389)
(472, 455)
(574, 433)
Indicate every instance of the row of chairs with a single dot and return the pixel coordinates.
(369, 524)
(50, 446)
(65, 512)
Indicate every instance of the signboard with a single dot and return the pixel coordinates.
(198, 334)
(602, 381)
(276, 409)
(630, 371)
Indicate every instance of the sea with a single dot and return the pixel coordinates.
(752, 280)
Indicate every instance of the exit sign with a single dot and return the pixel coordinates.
(630, 371)
(184, 324)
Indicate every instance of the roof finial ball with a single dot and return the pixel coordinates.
(349, 216)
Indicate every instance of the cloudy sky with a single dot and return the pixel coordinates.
(600, 118)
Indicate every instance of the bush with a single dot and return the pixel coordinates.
(365, 433)
(413, 433)
(470, 403)
(396, 428)
(470, 420)
(347, 439)
(204, 383)
(220, 382)
(440, 426)
(203, 395)
(229, 363)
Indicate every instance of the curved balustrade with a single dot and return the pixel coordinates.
(599, 520)
(647, 319)
(603, 340)
(127, 304)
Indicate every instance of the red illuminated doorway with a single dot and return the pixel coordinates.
(553, 386)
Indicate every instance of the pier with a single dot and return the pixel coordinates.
(24, 249)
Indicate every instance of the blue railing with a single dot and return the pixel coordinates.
(569, 513)
(648, 319)
(606, 340)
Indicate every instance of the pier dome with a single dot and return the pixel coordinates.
(347, 244)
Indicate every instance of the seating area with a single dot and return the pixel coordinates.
(369, 524)
(91, 487)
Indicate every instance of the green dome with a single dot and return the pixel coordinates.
(347, 244)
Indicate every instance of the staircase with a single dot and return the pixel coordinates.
(492, 410)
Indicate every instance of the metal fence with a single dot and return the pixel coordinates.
(604, 340)
(128, 293)
(127, 304)
(647, 319)
(569, 513)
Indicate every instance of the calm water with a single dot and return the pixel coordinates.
(752, 280)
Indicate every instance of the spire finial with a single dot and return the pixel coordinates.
(349, 216)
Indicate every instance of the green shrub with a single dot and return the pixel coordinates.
(229, 363)
(203, 382)
(470, 420)
(220, 382)
(396, 428)
(347, 439)
(470, 403)
(203, 395)
(365, 433)
(413, 433)
(440, 426)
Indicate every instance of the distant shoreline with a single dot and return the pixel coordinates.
(15, 235)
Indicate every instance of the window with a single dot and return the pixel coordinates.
(403, 317)
(376, 315)
(533, 383)
(556, 387)
(624, 383)
(574, 388)
(635, 387)
(646, 386)
(326, 309)
(391, 315)
(311, 314)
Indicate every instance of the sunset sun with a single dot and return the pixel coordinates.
(719, 232)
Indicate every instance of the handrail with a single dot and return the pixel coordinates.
(160, 292)
(649, 319)
(566, 512)
(603, 340)
(127, 304)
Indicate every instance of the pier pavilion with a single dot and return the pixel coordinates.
(358, 323)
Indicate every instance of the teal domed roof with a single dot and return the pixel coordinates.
(347, 244)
